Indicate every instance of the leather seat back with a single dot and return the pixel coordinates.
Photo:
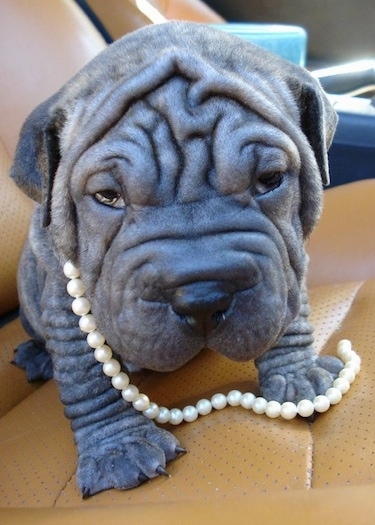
(42, 45)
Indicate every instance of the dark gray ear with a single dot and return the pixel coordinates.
(318, 120)
(37, 154)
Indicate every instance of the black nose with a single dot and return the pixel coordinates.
(202, 305)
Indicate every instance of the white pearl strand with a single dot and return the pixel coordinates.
(273, 409)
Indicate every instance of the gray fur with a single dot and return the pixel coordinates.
(183, 122)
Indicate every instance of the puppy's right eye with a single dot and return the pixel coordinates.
(110, 198)
(268, 181)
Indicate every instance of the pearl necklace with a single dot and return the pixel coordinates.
(120, 380)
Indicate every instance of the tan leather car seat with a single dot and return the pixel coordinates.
(241, 467)
(121, 16)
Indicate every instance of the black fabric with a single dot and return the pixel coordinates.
(95, 20)
(352, 154)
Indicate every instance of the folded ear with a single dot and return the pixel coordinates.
(318, 120)
(37, 154)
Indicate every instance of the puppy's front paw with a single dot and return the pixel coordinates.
(123, 462)
(288, 384)
(35, 360)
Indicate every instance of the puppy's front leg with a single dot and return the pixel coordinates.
(291, 370)
(117, 446)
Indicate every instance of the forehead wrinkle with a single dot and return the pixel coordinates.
(212, 137)
(184, 118)
(207, 76)
(145, 138)
(168, 138)
(191, 129)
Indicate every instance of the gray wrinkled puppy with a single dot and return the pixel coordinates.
(182, 171)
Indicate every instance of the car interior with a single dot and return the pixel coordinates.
(240, 467)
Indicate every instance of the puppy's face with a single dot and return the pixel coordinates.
(182, 170)
(189, 229)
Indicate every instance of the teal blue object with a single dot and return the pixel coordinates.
(289, 42)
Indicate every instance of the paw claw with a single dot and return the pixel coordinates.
(162, 472)
(180, 450)
(142, 478)
(86, 493)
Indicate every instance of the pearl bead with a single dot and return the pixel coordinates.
(120, 381)
(95, 339)
(190, 413)
(234, 398)
(343, 346)
(334, 395)
(176, 416)
(103, 353)
(130, 393)
(259, 405)
(347, 373)
(204, 407)
(288, 410)
(321, 403)
(164, 415)
(305, 408)
(141, 402)
(81, 306)
(87, 323)
(273, 409)
(348, 356)
(70, 271)
(355, 357)
(219, 401)
(342, 384)
(152, 411)
(75, 288)
(247, 400)
(353, 365)
(111, 368)
(344, 350)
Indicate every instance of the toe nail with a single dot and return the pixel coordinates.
(180, 450)
(142, 478)
(162, 472)
(86, 493)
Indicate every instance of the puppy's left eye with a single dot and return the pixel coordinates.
(110, 198)
(268, 181)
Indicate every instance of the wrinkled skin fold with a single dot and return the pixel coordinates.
(182, 171)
